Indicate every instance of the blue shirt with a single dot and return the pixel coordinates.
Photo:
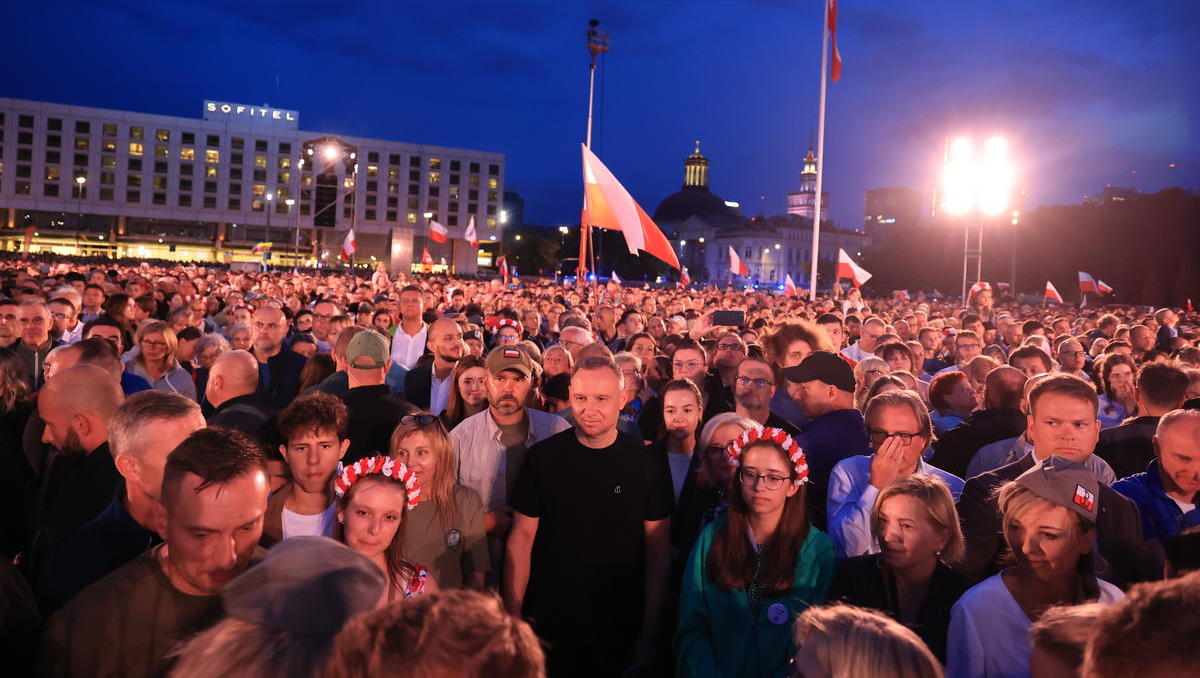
(945, 422)
(132, 383)
(826, 440)
(1162, 517)
(786, 407)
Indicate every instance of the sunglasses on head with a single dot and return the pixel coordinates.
(418, 419)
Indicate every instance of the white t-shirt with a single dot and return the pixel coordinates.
(989, 632)
(1183, 506)
(319, 525)
(679, 462)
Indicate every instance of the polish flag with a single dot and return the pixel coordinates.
(426, 258)
(977, 288)
(502, 264)
(1087, 283)
(901, 295)
(789, 286)
(736, 265)
(835, 73)
(1103, 288)
(349, 245)
(437, 232)
(848, 269)
(615, 278)
(684, 278)
(606, 204)
(469, 234)
(1052, 293)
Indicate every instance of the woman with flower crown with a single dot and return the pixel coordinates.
(754, 569)
(373, 495)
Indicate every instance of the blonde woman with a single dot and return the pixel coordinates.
(155, 360)
(915, 524)
(842, 641)
(446, 529)
(866, 373)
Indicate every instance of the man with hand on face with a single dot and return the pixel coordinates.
(428, 386)
(141, 433)
(214, 495)
(313, 429)
(492, 445)
(590, 545)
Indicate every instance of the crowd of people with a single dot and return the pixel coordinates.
(209, 472)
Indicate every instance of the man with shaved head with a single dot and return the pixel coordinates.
(428, 386)
(279, 366)
(1001, 418)
(233, 392)
(141, 433)
(1168, 491)
(79, 476)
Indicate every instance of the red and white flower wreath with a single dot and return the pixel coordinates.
(776, 435)
(386, 466)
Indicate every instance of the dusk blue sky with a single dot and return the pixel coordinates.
(1089, 91)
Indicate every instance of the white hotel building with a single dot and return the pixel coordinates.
(93, 181)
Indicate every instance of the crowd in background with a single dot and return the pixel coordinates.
(209, 472)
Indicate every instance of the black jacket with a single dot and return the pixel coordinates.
(279, 383)
(418, 384)
(374, 413)
(1121, 559)
(1128, 448)
(246, 413)
(955, 448)
(866, 582)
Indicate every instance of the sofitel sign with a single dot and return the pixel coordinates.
(219, 110)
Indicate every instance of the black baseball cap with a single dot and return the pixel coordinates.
(824, 366)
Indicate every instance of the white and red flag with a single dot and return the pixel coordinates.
(846, 268)
(437, 232)
(1052, 293)
(1103, 287)
(978, 287)
(615, 278)
(684, 278)
(901, 295)
(502, 264)
(426, 258)
(349, 245)
(469, 234)
(789, 286)
(835, 71)
(736, 265)
(1087, 284)
(606, 204)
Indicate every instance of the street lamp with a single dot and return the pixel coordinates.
(79, 182)
(976, 185)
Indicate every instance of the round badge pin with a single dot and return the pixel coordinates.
(777, 614)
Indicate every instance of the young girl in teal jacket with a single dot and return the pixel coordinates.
(754, 570)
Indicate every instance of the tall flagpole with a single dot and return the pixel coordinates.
(597, 42)
(816, 245)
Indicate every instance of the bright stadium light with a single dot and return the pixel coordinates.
(972, 182)
(330, 152)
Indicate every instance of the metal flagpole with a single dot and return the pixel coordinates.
(597, 42)
(816, 246)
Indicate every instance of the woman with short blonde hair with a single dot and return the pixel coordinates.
(155, 360)
(843, 641)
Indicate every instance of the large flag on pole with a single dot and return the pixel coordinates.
(608, 205)
(1103, 288)
(437, 232)
(349, 245)
(736, 265)
(261, 247)
(469, 234)
(835, 71)
(848, 269)
(789, 286)
(1087, 283)
(1052, 293)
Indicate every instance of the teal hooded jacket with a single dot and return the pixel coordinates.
(716, 634)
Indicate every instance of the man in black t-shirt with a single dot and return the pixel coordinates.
(589, 552)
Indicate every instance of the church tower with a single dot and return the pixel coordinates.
(695, 170)
(804, 201)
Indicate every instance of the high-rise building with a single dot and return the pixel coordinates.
(889, 209)
(118, 183)
(803, 202)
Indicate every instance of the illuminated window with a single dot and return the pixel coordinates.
(411, 218)
(210, 172)
(164, 151)
(435, 177)
(393, 187)
(285, 163)
(52, 174)
(306, 180)
(260, 161)
(435, 163)
(135, 148)
(281, 193)
(135, 133)
(491, 222)
(372, 170)
(256, 205)
(473, 181)
(493, 182)
(393, 173)
(187, 153)
(108, 146)
(159, 183)
(348, 182)
(81, 143)
(212, 156)
(284, 177)
(454, 192)
(493, 195)
(162, 135)
(259, 190)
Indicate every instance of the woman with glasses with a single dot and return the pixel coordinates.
(915, 524)
(899, 430)
(1118, 399)
(155, 360)
(446, 529)
(753, 570)
(468, 391)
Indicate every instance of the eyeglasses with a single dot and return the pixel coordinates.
(1072, 354)
(152, 342)
(875, 373)
(969, 347)
(731, 346)
(878, 437)
(418, 419)
(770, 482)
(756, 383)
(715, 450)
(690, 365)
